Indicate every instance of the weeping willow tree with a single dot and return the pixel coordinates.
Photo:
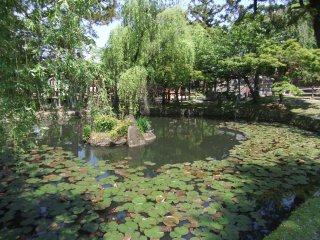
(175, 50)
(115, 61)
(141, 46)
(132, 85)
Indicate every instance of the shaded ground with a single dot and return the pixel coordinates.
(296, 105)
(299, 112)
(305, 107)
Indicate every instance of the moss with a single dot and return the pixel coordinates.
(304, 223)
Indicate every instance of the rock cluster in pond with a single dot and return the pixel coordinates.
(104, 140)
(134, 137)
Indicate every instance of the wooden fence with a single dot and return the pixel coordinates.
(311, 91)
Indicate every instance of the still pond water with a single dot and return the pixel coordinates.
(199, 179)
(178, 140)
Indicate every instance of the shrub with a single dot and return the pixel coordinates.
(103, 123)
(120, 130)
(86, 132)
(143, 124)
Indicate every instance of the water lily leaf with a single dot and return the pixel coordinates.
(160, 198)
(139, 200)
(90, 227)
(68, 234)
(128, 227)
(108, 227)
(170, 221)
(114, 235)
(147, 222)
(179, 231)
(154, 232)
(148, 163)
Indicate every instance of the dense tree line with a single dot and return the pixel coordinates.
(211, 43)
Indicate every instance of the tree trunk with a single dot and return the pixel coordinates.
(228, 88)
(246, 80)
(315, 4)
(146, 109)
(115, 102)
(239, 87)
(280, 98)
(256, 87)
(255, 6)
(189, 90)
(176, 93)
(164, 96)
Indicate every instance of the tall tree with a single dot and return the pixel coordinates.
(40, 40)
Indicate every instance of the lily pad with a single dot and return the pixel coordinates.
(154, 233)
(170, 221)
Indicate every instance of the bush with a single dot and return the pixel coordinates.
(114, 127)
(120, 130)
(143, 124)
(86, 132)
(103, 123)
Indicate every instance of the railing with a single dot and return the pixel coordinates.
(311, 91)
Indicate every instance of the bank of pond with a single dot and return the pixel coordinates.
(200, 179)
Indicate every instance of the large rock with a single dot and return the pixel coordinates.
(135, 138)
(132, 120)
(149, 136)
(100, 139)
(120, 142)
(103, 140)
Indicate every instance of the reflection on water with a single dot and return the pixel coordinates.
(178, 140)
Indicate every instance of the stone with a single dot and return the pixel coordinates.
(120, 142)
(149, 136)
(135, 138)
(132, 120)
(100, 139)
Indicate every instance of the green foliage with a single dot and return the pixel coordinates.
(132, 84)
(143, 124)
(103, 123)
(120, 130)
(284, 86)
(86, 132)
(175, 49)
(114, 127)
(42, 40)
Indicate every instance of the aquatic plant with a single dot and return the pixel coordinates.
(143, 124)
(55, 195)
(86, 132)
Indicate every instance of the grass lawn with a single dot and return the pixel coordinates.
(304, 223)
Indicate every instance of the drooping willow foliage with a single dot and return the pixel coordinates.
(132, 84)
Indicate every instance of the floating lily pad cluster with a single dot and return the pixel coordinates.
(56, 196)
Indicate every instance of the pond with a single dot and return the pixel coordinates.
(178, 140)
(241, 190)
